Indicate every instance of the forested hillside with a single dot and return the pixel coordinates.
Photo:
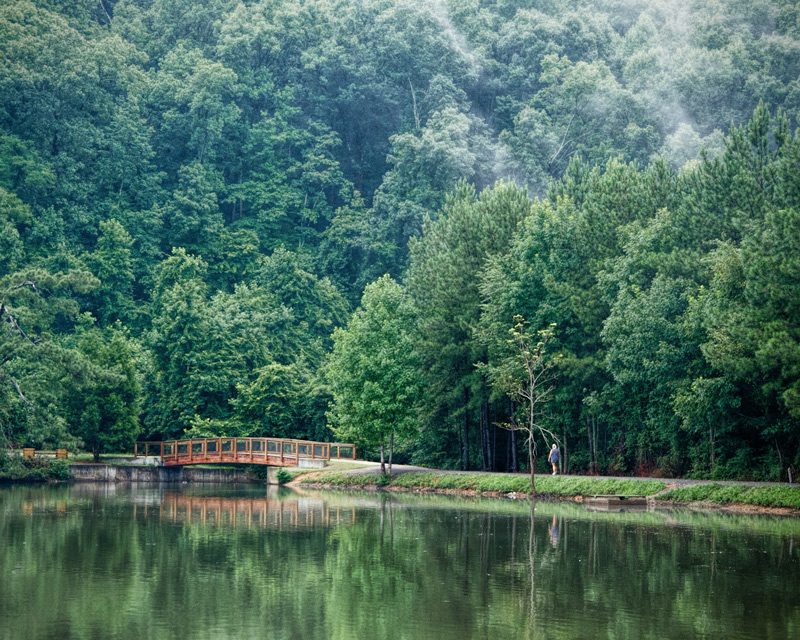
(196, 194)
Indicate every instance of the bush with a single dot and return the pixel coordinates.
(18, 469)
(11, 467)
(283, 476)
(59, 470)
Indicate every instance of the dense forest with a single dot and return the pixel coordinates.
(321, 218)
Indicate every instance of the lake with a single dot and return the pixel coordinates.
(162, 561)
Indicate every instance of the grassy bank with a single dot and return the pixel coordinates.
(494, 483)
(488, 483)
(772, 496)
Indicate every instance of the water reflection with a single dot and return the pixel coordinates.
(248, 512)
(553, 529)
(117, 561)
(269, 507)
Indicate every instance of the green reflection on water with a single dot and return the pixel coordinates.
(107, 561)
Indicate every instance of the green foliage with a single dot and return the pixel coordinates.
(443, 280)
(283, 476)
(194, 196)
(103, 403)
(15, 468)
(372, 369)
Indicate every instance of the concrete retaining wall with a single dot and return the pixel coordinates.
(312, 463)
(120, 473)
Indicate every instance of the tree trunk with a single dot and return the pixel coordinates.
(487, 445)
(391, 451)
(531, 556)
(514, 457)
(512, 441)
(596, 440)
(96, 454)
(461, 448)
(780, 454)
(465, 448)
(383, 464)
(532, 464)
(482, 434)
(591, 429)
(493, 457)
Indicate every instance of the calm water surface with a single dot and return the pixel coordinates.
(99, 561)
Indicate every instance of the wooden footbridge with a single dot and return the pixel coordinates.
(270, 451)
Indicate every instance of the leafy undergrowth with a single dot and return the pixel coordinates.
(498, 483)
(736, 493)
(14, 468)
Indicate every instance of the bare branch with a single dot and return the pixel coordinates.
(414, 100)
(563, 142)
(14, 324)
(102, 4)
(19, 391)
(27, 283)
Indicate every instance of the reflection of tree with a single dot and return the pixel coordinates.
(386, 505)
(450, 569)
(531, 556)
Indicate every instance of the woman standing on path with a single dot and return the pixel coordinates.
(553, 458)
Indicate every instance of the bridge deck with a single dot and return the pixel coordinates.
(270, 451)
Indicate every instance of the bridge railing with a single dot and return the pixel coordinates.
(273, 451)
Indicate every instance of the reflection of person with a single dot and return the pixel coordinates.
(553, 458)
(553, 527)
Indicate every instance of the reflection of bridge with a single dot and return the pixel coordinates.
(272, 451)
(261, 512)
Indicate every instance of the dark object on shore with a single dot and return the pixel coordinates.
(616, 501)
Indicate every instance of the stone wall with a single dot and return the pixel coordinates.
(190, 475)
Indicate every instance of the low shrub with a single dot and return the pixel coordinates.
(15, 468)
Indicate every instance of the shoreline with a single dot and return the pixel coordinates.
(734, 508)
(724, 496)
(690, 494)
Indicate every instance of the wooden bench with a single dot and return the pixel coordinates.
(59, 454)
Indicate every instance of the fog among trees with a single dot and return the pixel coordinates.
(195, 196)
